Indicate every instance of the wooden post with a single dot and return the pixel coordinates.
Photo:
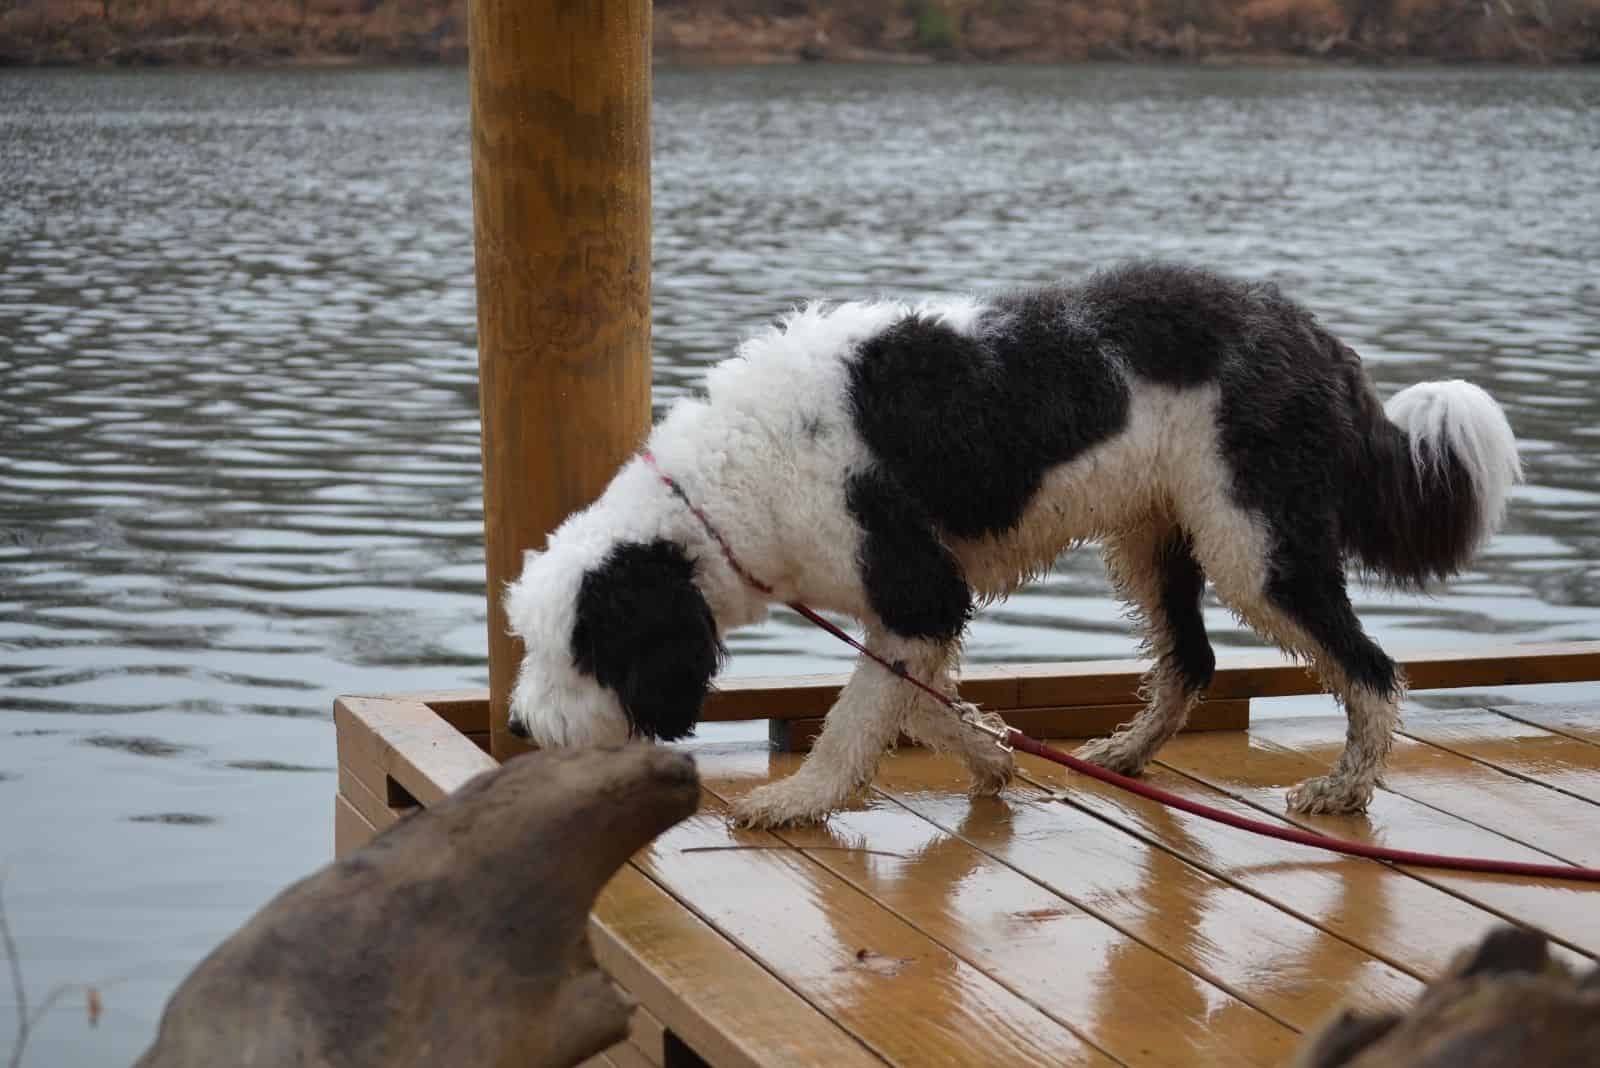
(561, 208)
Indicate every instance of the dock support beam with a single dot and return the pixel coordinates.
(561, 209)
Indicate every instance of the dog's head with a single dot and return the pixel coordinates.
(616, 647)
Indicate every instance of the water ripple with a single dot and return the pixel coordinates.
(238, 383)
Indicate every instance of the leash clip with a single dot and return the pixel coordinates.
(989, 723)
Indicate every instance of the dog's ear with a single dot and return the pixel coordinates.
(644, 630)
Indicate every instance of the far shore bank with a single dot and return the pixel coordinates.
(112, 33)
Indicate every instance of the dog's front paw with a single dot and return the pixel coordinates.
(781, 804)
(1114, 753)
(1331, 795)
(991, 768)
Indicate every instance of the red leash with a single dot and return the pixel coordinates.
(1021, 741)
(1010, 738)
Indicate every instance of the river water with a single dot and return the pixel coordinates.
(238, 414)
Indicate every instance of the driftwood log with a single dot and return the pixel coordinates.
(458, 936)
(1503, 1002)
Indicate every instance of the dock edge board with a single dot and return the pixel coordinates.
(399, 753)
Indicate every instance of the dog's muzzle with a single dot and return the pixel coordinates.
(518, 728)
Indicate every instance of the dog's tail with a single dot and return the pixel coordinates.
(1431, 484)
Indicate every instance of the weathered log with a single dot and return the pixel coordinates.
(1502, 1002)
(458, 936)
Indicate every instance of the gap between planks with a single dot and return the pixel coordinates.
(1032, 962)
(1519, 810)
(731, 985)
(1424, 921)
(1577, 722)
(1134, 824)
(721, 1001)
(1522, 750)
(1564, 911)
(1453, 891)
(904, 995)
(1152, 897)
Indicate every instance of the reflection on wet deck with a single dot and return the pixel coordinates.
(1070, 923)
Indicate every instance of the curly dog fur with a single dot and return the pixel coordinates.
(901, 463)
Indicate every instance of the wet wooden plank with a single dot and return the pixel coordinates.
(350, 830)
(646, 1050)
(372, 808)
(1514, 746)
(647, 1036)
(907, 998)
(360, 760)
(810, 696)
(1121, 996)
(1580, 722)
(624, 1055)
(1285, 967)
(1256, 767)
(1111, 682)
(408, 741)
(705, 989)
(1558, 825)
(1089, 721)
(1269, 674)
(1091, 682)
(465, 709)
(1357, 901)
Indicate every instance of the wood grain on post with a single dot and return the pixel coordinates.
(561, 207)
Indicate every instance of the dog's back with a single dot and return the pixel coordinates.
(1201, 428)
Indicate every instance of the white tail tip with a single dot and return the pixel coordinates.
(1460, 418)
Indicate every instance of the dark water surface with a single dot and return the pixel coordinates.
(238, 418)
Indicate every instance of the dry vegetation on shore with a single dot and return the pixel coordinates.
(765, 31)
(206, 32)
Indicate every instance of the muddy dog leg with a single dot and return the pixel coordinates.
(920, 602)
(860, 727)
(939, 727)
(1310, 592)
(1303, 606)
(1154, 568)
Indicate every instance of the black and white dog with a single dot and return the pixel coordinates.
(900, 463)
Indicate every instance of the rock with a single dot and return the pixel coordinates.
(1502, 1002)
(458, 936)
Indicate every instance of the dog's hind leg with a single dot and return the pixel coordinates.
(1303, 606)
(1153, 567)
(862, 724)
(1311, 593)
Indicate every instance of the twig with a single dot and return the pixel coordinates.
(796, 849)
(55, 995)
(23, 1019)
(27, 1020)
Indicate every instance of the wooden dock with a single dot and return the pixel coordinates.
(1066, 922)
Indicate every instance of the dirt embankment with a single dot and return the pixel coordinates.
(231, 32)
(1529, 31)
(771, 31)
